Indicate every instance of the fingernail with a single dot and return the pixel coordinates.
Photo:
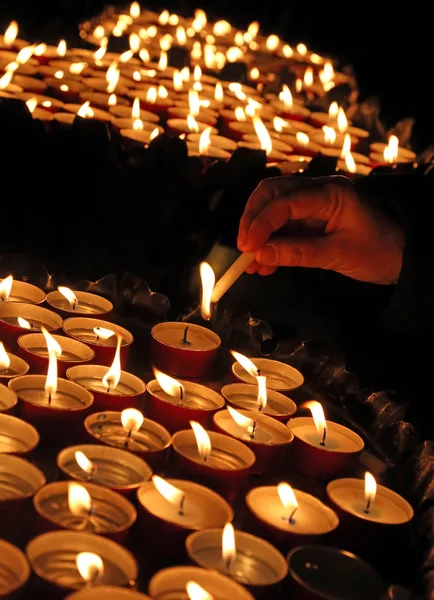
(268, 256)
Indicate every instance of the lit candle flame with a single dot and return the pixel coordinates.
(64, 87)
(6, 79)
(6, 287)
(288, 499)
(99, 32)
(370, 491)
(262, 392)
(202, 440)
(54, 351)
(113, 375)
(390, 153)
(272, 42)
(5, 361)
(135, 111)
(192, 124)
(126, 56)
(177, 80)
(222, 28)
(85, 111)
(229, 551)
(319, 419)
(32, 103)
(240, 115)
(84, 463)
(327, 74)
(200, 20)
(166, 42)
(302, 139)
(308, 77)
(194, 102)
(245, 422)
(286, 97)
(11, 67)
(99, 54)
(254, 74)
(24, 323)
(53, 345)
(103, 333)
(151, 95)
(253, 29)
(346, 146)
(329, 135)
(163, 19)
(112, 101)
(233, 54)
(246, 363)
(196, 592)
(263, 135)
(181, 36)
(287, 51)
(218, 92)
(342, 120)
(69, 295)
(138, 125)
(77, 68)
(132, 420)
(145, 56)
(40, 49)
(301, 49)
(59, 74)
(197, 73)
(162, 63)
(10, 34)
(207, 274)
(162, 92)
(79, 500)
(173, 20)
(90, 566)
(61, 48)
(154, 134)
(171, 386)
(171, 493)
(112, 78)
(350, 163)
(135, 10)
(135, 42)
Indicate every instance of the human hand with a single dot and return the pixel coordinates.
(320, 223)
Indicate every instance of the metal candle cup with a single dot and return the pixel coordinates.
(270, 444)
(171, 583)
(20, 480)
(312, 520)
(33, 347)
(243, 395)
(111, 515)
(25, 292)
(52, 557)
(128, 393)
(168, 525)
(8, 400)
(88, 304)
(184, 352)
(257, 564)
(61, 417)
(280, 377)
(107, 592)
(322, 573)
(17, 436)
(338, 456)
(198, 404)
(226, 470)
(14, 569)
(151, 442)
(115, 469)
(82, 329)
(10, 329)
(17, 367)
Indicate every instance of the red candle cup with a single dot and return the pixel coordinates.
(180, 126)
(109, 513)
(15, 570)
(208, 155)
(101, 100)
(322, 573)
(60, 417)
(17, 436)
(265, 436)
(280, 377)
(8, 400)
(132, 138)
(124, 112)
(22, 292)
(33, 348)
(243, 395)
(11, 366)
(83, 329)
(128, 393)
(85, 304)
(97, 113)
(53, 558)
(112, 468)
(289, 526)
(31, 317)
(107, 592)
(19, 482)
(338, 456)
(184, 350)
(168, 522)
(45, 102)
(217, 141)
(66, 90)
(151, 442)
(198, 403)
(225, 469)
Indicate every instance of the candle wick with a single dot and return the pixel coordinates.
(74, 304)
(97, 339)
(49, 398)
(181, 395)
(252, 433)
(258, 373)
(184, 337)
(324, 435)
(291, 516)
(92, 472)
(181, 506)
(368, 506)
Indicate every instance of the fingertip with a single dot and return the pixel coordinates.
(265, 271)
(253, 268)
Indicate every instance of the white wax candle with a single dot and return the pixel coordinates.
(280, 376)
(338, 439)
(267, 431)
(197, 338)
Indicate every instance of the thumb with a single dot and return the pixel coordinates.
(315, 252)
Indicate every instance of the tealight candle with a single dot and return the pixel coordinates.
(322, 573)
(265, 436)
(178, 126)
(217, 461)
(107, 592)
(302, 143)
(14, 570)
(12, 290)
(99, 84)
(67, 303)
(124, 112)
(110, 467)
(20, 480)
(273, 155)
(141, 136)
(243, 395)
(390, 153)
(336, 152)
(126, 125)
(33, 348)
(17, 436)
(151, 102)
(211, 152)
(288, 517)
(184, 349)
(65, 89)
(83, 507)
(181, 112)
(11, 366)
(277, 144)
(101, 336)
(46, 102)
(207, 584)
(130, 431)
(170, 510)
(247, 559)
(17, 318)
(95, 113)
(217, 141)
(280, 376)
(102, 100)
(351, 170)
(175, 403)
(8, 400)
(323, 449)
(56, 413)
(68, 560)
